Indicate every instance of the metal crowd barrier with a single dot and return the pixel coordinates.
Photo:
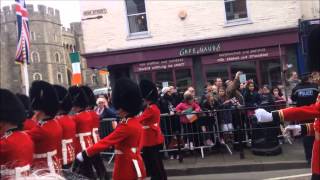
(206, 132)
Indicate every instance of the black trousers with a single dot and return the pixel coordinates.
(153, 162)
(99, 167)
(308, 145)
(315, 177)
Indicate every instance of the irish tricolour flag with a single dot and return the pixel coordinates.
(76, 68)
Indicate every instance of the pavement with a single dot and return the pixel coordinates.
(221, 162)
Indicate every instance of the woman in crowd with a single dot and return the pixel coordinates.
(186, 109)
(207, 122)
(267, 98)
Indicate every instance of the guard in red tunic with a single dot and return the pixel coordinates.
(127, 137)
(300, 114)
(68, 126)
(83, 121)
(47, 135)
(153, 137)
(16, 147)
(95, 120)
(29, 122)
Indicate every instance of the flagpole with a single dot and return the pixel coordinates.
(24, 68)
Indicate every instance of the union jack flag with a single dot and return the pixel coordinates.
(23, 45)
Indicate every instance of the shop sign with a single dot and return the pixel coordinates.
(244, 55)
(204, 49)
(160, 65)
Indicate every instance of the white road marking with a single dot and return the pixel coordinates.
(290, 177)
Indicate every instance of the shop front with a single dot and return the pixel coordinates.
(262, 57)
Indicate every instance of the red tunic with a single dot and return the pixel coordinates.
(150, 120)
(127, 139)
(16, 152)
(95, 125)
(47, 138)
(304, 113)
(83, 131)
(68, 137)
(29, 124)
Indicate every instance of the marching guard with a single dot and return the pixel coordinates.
(16, 147)
(47, 135)
(29, 122)
(126, 138)
(68, 126)
(95, 121)
(153, 137)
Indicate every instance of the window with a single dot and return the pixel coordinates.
(164, 77)
(136, 14)
(235, 9)
(37, 76)
(57, 57)
(183, 79)
(217, 70)
(35, 57)
(271, 72)
(55, 37)
(59, 77)
(94, 79)
(145, 76)
(33, 36)
(247, 67)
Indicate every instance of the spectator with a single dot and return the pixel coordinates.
(192, 91)
(251, 95)
(218, 82)
(291, 83)
(215, 90)
(187, 118)
(207, 122)
(267, 98)
(208, 90)
(103, 109)
(278, 96)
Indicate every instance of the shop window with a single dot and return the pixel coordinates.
(164, 77)
(136, 14)
(235, 9)
(214, 71)
(146, 76)
(94, 80)
(271, 72)
(247, 67)
(183, 79)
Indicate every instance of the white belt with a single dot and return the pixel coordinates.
(117, 151)
(16, 171)
(65, 150)
(49, 156)
(147, 127)
(95, 132)
(81, 139)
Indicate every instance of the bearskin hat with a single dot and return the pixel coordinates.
(126, 95)
(44, 98)
(11, 108)
(78, 97)
(90, 95)
(64, 98)
(26, 103)
(148, 90)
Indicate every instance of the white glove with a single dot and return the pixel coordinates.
(80, 157)
(263, 116)
(295, 129)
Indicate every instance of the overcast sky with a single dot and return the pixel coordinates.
(69, 9)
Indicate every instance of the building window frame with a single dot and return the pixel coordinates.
(94, 79)
(33, 59)
(59, 78)
(57, 57)
(140, 34)
(35, 78)
(235, 22)
(33, 35)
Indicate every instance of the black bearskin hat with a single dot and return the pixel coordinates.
(126, 95)
(11, 108)
(64, 98)
(44, 98)
(314, 50)
(148, 90)
(90, 95)
(78, 97)
(27, 104)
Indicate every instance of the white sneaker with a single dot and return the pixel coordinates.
(209, 142)
(177, 157)
(172, 157)
(186, 146)
(191, 146)
(230, 127)
(224, 127)
(222, 141)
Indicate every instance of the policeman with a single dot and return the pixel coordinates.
(16, 147)
(305, 93)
